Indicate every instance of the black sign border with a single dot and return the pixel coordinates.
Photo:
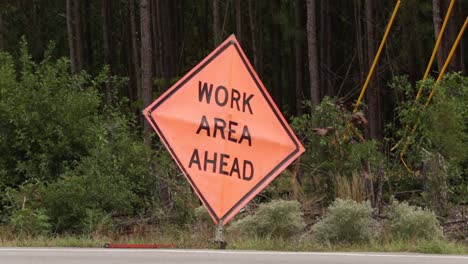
(267, 99)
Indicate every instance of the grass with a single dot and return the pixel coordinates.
(186, 239)
(425, 246)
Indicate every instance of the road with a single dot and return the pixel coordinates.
(179, 256)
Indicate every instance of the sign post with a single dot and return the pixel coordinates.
(219, 238)
(224, 131)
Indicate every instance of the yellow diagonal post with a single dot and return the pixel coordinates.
(374, 63)
(431, 61)
(447, 62)
(436, 47)
(439, 79)
(377, 56)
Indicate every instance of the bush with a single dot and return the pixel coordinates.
(202, 215)
(30, 222)
(64, 150)
(49, 120)
(346, 222)
(277, 218)
(98, 223)
(336, 150)
(412, 223)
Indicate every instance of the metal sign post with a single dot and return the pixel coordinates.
(219, 238)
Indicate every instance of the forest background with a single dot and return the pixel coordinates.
(76, 156)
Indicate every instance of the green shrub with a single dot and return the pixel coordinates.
(64, 150)
(277, 218)
(97, 222)
(49, 119)
(437, 149)
(68, 199)
(202, 215)
(412, 223)
(30, 222)
(346, 222)
(336, 151)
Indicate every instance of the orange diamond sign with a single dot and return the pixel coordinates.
(224, 131)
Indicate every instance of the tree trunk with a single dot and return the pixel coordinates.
(461, 46)
(78, 32)
(205, 30)
(255, 41)
(106, 14)
(87, 37)
(156, 41)
(437, 26)
(325, 55)
(71, 37)
(127, 60)
(239, 21)
(359, 41)
(277, 58)
(2, 38)
(216, 23)
(366, 171)
(134, 40)
(379, 193)
(373, 93)
(168, 37)
(298, 54)
(454, 23)
(312, 51)
(146, 63)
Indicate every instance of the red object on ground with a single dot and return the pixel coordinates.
(139, 246)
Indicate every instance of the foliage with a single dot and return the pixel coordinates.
(412, 223)
(97, 222)
(333, 148)
(277, 218)
(47, 117)
(436, 188)
(346, 221)
(63, 151)
(443, 126)
(440, 135)
(202, 215)
(30, 222)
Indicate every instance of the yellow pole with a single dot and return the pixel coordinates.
(431, 61)
(447, 62)
(439, 79)
(377, 56)
(436, 47)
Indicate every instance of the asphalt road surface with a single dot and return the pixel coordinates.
(180, 256)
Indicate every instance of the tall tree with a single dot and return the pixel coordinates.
(135, 58)
(156, 41)
(216, 23)
(454, 24)
(276, 40)
(87, 27)
(168, 40)
(146, 63)
(78, 33)
(436, 8)
(106, 15)
(325, 47)
(373, 95)
(71, 36)
(312, 51)
(238, 20)
(255, 19)
(2, 38)
(461, 49)
(298, 54)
